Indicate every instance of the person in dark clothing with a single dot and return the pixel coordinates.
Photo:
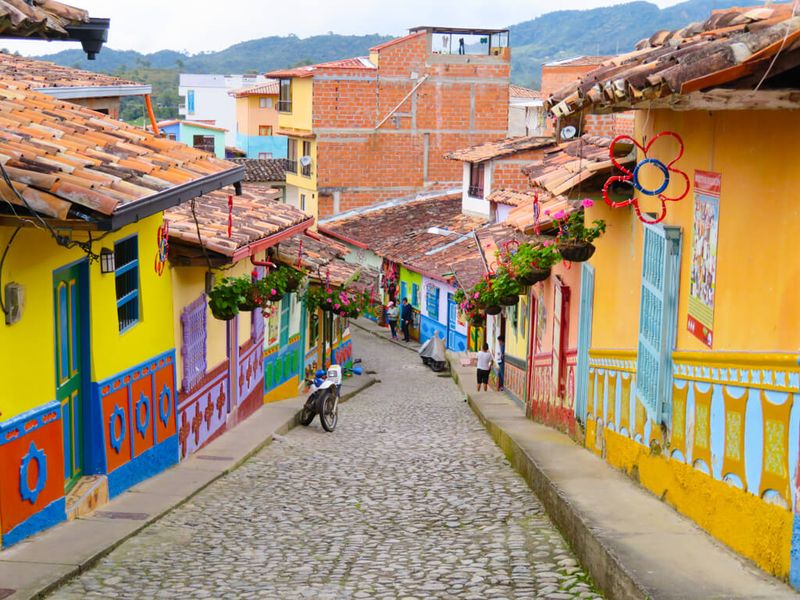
(406, 315)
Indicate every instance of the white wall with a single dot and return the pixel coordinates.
(476, 206)
(526, 117)
(211, 99)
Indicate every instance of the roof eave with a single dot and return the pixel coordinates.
(161, 201)
(92, 35)
(260, 245)
(98, 91)
(343, 238)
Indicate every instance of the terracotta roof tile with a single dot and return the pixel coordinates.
(256, 215)
(517, 91)
(581, 164)
(269, 88)
(39, 74)
(263, 169)
(731, 45)
(510, 197)
(360, 62)
(46, 19)
(68, 161)
(578, 61)
(504, 147)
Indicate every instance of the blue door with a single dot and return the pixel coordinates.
(455, 340)
(584, 341)
(658, 319)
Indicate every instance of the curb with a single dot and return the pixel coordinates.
(282, 429)
(605, 568)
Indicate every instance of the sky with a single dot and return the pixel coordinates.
(210, 25)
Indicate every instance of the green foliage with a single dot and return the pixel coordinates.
(226, 296)
(531, 256)
(504, 285)
(573, 230)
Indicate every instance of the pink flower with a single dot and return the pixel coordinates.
(337, 306)
(547, 212)
(587, 203)
(559, 215)
(328, 300)
(274, 292)
(547, 243)
(476, 295)
(329, 291)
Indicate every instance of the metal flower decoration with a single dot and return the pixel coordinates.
(666, 173)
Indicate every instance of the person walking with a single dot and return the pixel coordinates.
(407, 316)
(392, 315)
(501, 362)
(484, 366)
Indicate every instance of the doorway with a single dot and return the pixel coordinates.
(70, 294)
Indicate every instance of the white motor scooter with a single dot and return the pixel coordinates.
(325, 390)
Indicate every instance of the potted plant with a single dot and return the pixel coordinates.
(227, 296)
(273, 286)
(574, 240)
(294, 278)
(531, 263)
(506, 288)
(483, 296)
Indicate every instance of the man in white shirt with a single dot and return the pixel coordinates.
(484, 366)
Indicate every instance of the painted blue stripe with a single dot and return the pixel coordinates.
(50, 515)
(129, 297)
(63, 334)
(152, 462)
(21, 419)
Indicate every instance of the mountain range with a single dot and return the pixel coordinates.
(552, 36)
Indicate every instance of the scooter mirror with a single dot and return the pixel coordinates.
(358, 370)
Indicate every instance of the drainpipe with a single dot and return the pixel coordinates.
(148, 102)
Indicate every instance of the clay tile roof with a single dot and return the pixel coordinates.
(257, 215)
(322, 259)
(505, 147)
(70, 162)
(270, 88)
(731, 45)
(578, 61)
(360, 62)
(40, 74)
(389, 43)
(517, 91)
(510, 197)
(263, 169)
(581, 165)
(46, 19)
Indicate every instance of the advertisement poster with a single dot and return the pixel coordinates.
(700, 322)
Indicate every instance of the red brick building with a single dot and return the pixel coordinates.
(376, 128)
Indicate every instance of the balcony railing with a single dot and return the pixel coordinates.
(475, 191)
(291, 166)
(285, 106)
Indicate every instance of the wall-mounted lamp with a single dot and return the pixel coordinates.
(108, 262)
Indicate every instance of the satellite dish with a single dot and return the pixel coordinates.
(305, 161)
(568, 132)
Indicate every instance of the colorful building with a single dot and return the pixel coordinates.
(91, 407)
(257, 121)
(370, 129)
(221, 364)
(690, 381)
(203, 136)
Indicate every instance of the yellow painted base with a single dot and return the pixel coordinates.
(284, 391)
(755, 529)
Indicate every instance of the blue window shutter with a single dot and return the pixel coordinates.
(190, 102)
(584, 340)
(658, 319)
(403, 290)
(414, 295)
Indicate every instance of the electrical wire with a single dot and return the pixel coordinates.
(795, 6)
(200, 238)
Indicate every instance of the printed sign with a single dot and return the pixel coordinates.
(700, 322)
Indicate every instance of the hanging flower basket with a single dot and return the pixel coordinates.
(576, 251)
(224, 314)
(274, 295)
(493, 310)
(509, 300)
(293, 280)
(534, 276)
(228, 295)
(477, 321)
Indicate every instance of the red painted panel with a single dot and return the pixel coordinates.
(116, 458)
(142, 411)
(48, 438)
(165, 400)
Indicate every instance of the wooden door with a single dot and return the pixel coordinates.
(70, 347)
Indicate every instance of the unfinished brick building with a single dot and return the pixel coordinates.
(371, 129)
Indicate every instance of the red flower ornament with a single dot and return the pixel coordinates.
(666, 170)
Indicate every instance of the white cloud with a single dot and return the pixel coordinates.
(208, 25)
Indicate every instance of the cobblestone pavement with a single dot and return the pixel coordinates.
(409, 498)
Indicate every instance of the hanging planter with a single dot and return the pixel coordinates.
(509, 300)
(228, 295)
(477, 320)
(494, 310)
(576, 251)
(293, 279)
(534, 276)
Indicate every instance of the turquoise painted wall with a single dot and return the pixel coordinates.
(189, 131)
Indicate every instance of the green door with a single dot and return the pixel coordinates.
(68, 292)
(286, 316)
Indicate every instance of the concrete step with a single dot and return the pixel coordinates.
(90, 493)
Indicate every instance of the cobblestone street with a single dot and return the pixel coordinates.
(408, 498)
